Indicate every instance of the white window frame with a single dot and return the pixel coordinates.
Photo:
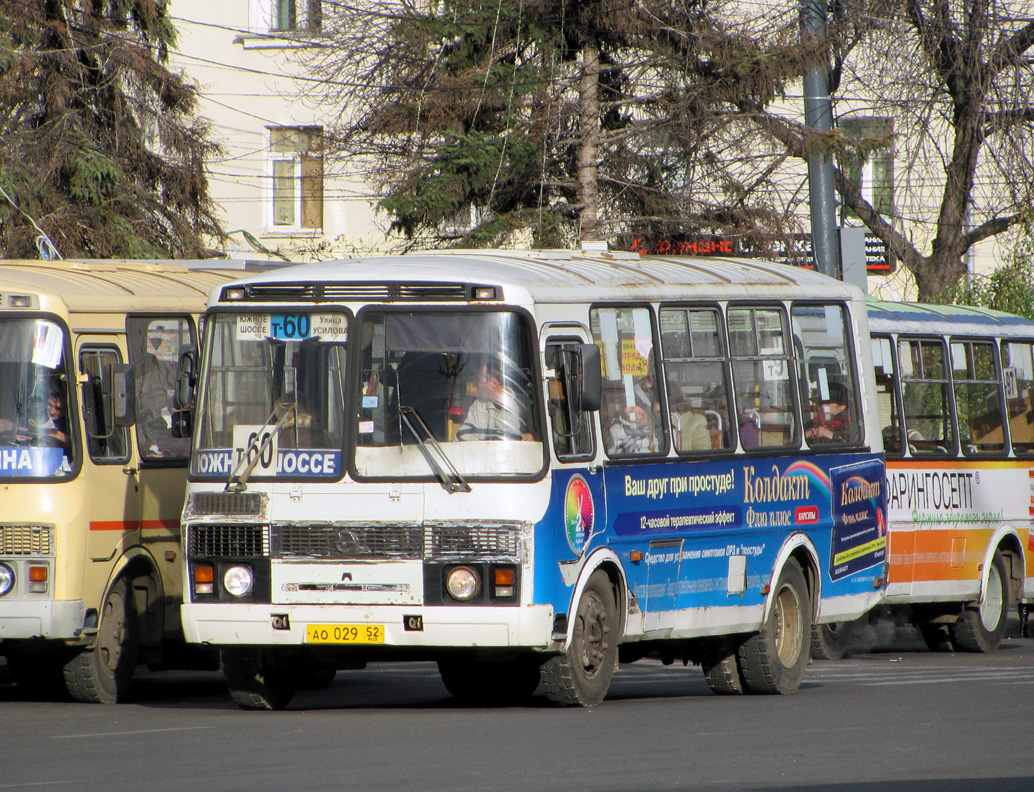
(294, 157)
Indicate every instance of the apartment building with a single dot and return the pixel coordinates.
(272, 183)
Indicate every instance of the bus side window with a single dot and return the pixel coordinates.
(830, 403)
(697, 379)
(762, 377)
(154, 346)
(978, 399)
(105, 442)
(1018, 370)
(632, 414)
(573, 436)
(927, 410)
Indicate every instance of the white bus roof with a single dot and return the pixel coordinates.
(102, 286)
(544, 275)
(951, 320)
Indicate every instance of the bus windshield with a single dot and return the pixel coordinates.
(35, 438)
(460, 382)
(274, 395)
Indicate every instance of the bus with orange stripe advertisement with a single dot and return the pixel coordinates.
(956, 403)
(92, 468)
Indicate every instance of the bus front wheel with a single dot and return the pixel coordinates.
(980, 627)
(581, 676)
(102, 674)
(257, 679)
(774, 660)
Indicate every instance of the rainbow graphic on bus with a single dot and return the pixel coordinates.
(579, 513)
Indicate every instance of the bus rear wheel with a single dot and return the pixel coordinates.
(256, 678)
(774, 660)
(721, 668)
(980, 627)
(831, 641)
(102, 674)
(581, 676)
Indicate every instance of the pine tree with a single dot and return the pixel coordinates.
(99, 148)
(482, 120)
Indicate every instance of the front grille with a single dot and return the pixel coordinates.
(451, 540)
(228, 540)
(244, 504)
(384, 291)
(26, 540)
(352, 541)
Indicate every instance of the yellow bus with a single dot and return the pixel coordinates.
(91, 470)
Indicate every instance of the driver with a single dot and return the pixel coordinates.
(53, 424)
(497, 414)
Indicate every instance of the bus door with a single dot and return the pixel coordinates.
(154, 343)
(577, 474)
(113, 503)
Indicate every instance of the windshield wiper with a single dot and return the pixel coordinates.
(239, 478)
(449, 477)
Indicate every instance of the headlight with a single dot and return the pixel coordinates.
(462, 583)
(6, 579)
(239, 581)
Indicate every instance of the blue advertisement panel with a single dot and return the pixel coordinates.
(677, 526)
(859, 513)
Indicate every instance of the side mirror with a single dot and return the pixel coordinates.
(123, 395)
(590, 388)
(183, 399)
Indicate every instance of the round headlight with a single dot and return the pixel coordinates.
(6, 579)
(462, 583)
(239, 580)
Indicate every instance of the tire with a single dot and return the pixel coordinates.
(490, 683)
(980, 627)
(581, 676)
(831, 641)
(256, 680)
(937, 637)
(721, 668)
(774, 660)
(102, 674)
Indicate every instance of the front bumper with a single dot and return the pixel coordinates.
(454, 627)
(25, 619)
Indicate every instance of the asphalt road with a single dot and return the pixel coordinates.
(893, 718)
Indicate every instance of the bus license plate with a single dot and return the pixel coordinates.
(344, 633)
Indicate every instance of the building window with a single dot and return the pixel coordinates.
(297, 15)
(297, 154)
(873, 172)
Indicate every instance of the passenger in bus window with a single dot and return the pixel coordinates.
(498, 413)
(832, 423)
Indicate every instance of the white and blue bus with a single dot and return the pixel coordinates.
(531, 466)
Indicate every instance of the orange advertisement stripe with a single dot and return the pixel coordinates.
(949, 464)
(134, 525)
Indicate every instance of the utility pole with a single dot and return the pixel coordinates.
(818, 114)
